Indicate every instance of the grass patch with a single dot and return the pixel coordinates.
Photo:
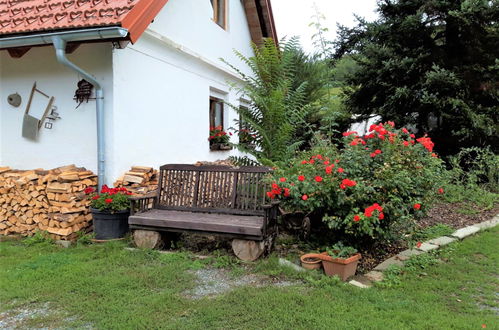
(108, 287)
(435, 231)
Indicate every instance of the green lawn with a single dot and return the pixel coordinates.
(105, 286)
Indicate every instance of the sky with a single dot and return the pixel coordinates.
(292, 17)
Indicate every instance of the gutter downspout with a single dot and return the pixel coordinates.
(60, 50)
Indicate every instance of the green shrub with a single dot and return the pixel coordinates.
(374, 186)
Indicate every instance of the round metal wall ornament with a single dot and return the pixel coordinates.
(14, 100)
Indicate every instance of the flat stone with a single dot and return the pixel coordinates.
(287, 263)
(408, 253)
(441, 241)
(358, 284)
(64, 244)
(387, 263)
(465, 232)
(427, 247)
(374, 276)
(488, 224)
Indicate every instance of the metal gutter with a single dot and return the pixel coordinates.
(60, 40)
(73, 35)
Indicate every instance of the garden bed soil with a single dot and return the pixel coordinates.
(443, 213)
(448, 214)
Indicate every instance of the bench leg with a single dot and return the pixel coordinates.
(248, 250)
(148, 239)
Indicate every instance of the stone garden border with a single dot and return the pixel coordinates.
(376, 275)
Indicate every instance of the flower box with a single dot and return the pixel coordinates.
(220, 147)
(344, 268)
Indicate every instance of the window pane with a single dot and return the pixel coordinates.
(221, 13)
(219, 114)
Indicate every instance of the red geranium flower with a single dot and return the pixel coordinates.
(282, 179)
(441, 190)
(405, 130)
(108, 200)
(349, 183)
(286, 192)
(301, 178)
(318, 179)
(342, 186)
(417, 206)
(356, 218)
(89, 190)
(381, 216)
(377, 151)
(270, 195)
(95, 198)
(372, 155)
(304, 197)
(406, 143)
(340, 170)
(304, 162)
(349, 133)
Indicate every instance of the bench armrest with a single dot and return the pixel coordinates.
(141, 203)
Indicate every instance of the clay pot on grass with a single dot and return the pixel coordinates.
(311, 261)
(344, 268)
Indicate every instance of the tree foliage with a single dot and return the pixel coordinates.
(278, 101)
(430, 63)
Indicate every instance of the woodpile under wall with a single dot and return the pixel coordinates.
(140, 180)
(53, 201)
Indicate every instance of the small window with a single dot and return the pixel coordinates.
(216, 112)
(220, 12)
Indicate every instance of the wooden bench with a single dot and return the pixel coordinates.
(219, 200)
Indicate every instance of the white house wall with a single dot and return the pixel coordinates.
(163, 83)
(73, 138)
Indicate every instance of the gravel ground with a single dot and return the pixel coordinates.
(214, 281)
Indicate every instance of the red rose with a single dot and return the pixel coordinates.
(282, 179)
(301, 178)
(304, 197)
(441, 190)
(381, 216)
(342, 186)
(340, 170)
(405, 130)
(95, 198)
(373, 155)
(286, 192)
(318, 179)
(349, 133)
(304, 162)
(377, 151)
(270, 194)
(406, 143)
(108, 200)
(356, 218)
(417, 206)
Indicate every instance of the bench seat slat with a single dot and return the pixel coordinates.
(206, 222)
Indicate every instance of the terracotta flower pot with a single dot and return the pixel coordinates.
(344, 268)
(311, 261)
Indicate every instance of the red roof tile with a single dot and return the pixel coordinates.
(25, 16)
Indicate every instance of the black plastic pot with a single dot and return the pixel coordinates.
(109, 225)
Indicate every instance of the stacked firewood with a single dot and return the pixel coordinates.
(53, 201)
(140, 180)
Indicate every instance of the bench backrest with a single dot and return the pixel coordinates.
(214, 189)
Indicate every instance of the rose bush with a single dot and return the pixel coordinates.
(109, 199)
(372, 186)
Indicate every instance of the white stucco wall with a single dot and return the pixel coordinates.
(73, 138)
(157, 94)
(162, 85)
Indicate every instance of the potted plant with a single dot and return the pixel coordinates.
(340, 260)
(110, 211)
(219, 140)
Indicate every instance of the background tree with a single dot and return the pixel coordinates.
(433, 64)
